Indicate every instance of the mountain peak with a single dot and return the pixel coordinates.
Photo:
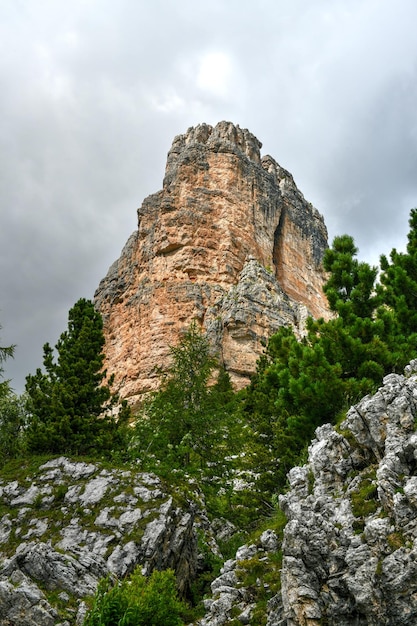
(222, 207)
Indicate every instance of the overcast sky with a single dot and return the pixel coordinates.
(92, 93)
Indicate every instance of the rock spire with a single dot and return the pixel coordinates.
(229, 241)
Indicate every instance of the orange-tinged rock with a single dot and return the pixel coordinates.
(229, 241)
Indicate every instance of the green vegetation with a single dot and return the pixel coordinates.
(71, 406)
(137, 601)
(231, 450)
(191, 429)
(185, 424)
(396, 540)
(13, 420)
(259, 575)
(364, 498)
(398, 289)
(300, 385)
(5, 353)
(12, 414)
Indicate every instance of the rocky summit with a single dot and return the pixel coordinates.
(229, 241)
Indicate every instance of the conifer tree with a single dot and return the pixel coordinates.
(70, 403)
(12, 413)
(350, 288)
(398, 290)
(357, 339)
(5, 353)
(13, 420)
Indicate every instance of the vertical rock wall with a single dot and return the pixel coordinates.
(230, 241)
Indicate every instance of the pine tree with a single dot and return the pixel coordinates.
(5, 353)
(398, 290)
(351, 283)
(13, 420)
(302, 384)
(71, 403)
(12, 413)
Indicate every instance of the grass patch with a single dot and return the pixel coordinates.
(23, 469)
(229, 547)
(349, 436)
(396, 540)
(364, 498)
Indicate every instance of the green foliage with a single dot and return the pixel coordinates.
(137, 601)
(398, 290)
(302, 384)
(186, 424)
(12, 413)
(364, 498)
(357, 340)
(350, 287)
(71, 406)
(396, 540)
(13, 420)
(5, 353)
(192, 428)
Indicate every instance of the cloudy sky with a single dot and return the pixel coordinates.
(92, 93)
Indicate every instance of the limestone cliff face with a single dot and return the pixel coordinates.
(230, 241)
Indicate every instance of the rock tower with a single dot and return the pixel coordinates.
(229, 241)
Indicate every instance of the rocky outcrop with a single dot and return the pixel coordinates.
(242, 584)
(350, 547)
(229, 241)
(345, 554)
(69, 524)
(349, 554)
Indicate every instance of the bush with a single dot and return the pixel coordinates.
(137, 601)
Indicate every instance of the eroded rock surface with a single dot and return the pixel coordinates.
(350, 547)
(349, 554)
(69, 524)
(238, 588)
(229, 241)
